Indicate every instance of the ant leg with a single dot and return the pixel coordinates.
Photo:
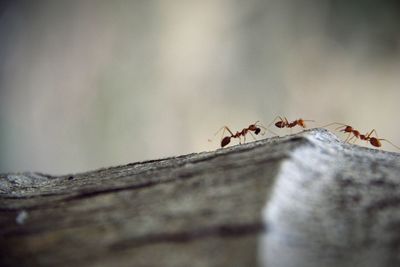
(286, 121)
(334, 123)
(265, 128)
(224, 128)
(287, 125)
(355, 139)
(277, 117)
(371, 132)
(253, 136)
(339, 128)
(348, 138)
(390, 143)
(351, 138)
(272, 132)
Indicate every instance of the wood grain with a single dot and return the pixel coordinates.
(301, 200)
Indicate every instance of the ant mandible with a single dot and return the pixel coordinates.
(255, 127)
(284, 123)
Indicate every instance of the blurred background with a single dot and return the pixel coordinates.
(89, 84)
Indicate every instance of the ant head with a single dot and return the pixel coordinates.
(252, 127)
(347, 129)
(280, 124)
(375, 142)
(301, 123)
(225, 141)
(257, 130)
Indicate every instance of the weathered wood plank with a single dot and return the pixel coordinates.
(301, 200)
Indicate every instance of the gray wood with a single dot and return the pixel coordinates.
(301, 200)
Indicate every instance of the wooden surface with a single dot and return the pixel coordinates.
(301, 200)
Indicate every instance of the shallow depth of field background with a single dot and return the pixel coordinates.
(89, 84)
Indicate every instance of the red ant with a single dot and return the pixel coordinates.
(284, 123)
(255, 127)
(346, 129)
(374, 141)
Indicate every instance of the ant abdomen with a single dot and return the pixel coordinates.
(375, 142)
(225, 141)
(257, 130)
(280, 124)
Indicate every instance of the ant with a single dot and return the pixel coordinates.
(255, 127)
(374, 141)
(284, 123)
(346, 129)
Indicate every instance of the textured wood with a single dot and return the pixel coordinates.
(301, 200)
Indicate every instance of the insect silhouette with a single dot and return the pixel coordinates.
(284, 123)
(255, 127)
(355, 134)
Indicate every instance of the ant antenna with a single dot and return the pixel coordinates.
(309, 120)
(334, 123)
(266, 129)
(389, 143)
